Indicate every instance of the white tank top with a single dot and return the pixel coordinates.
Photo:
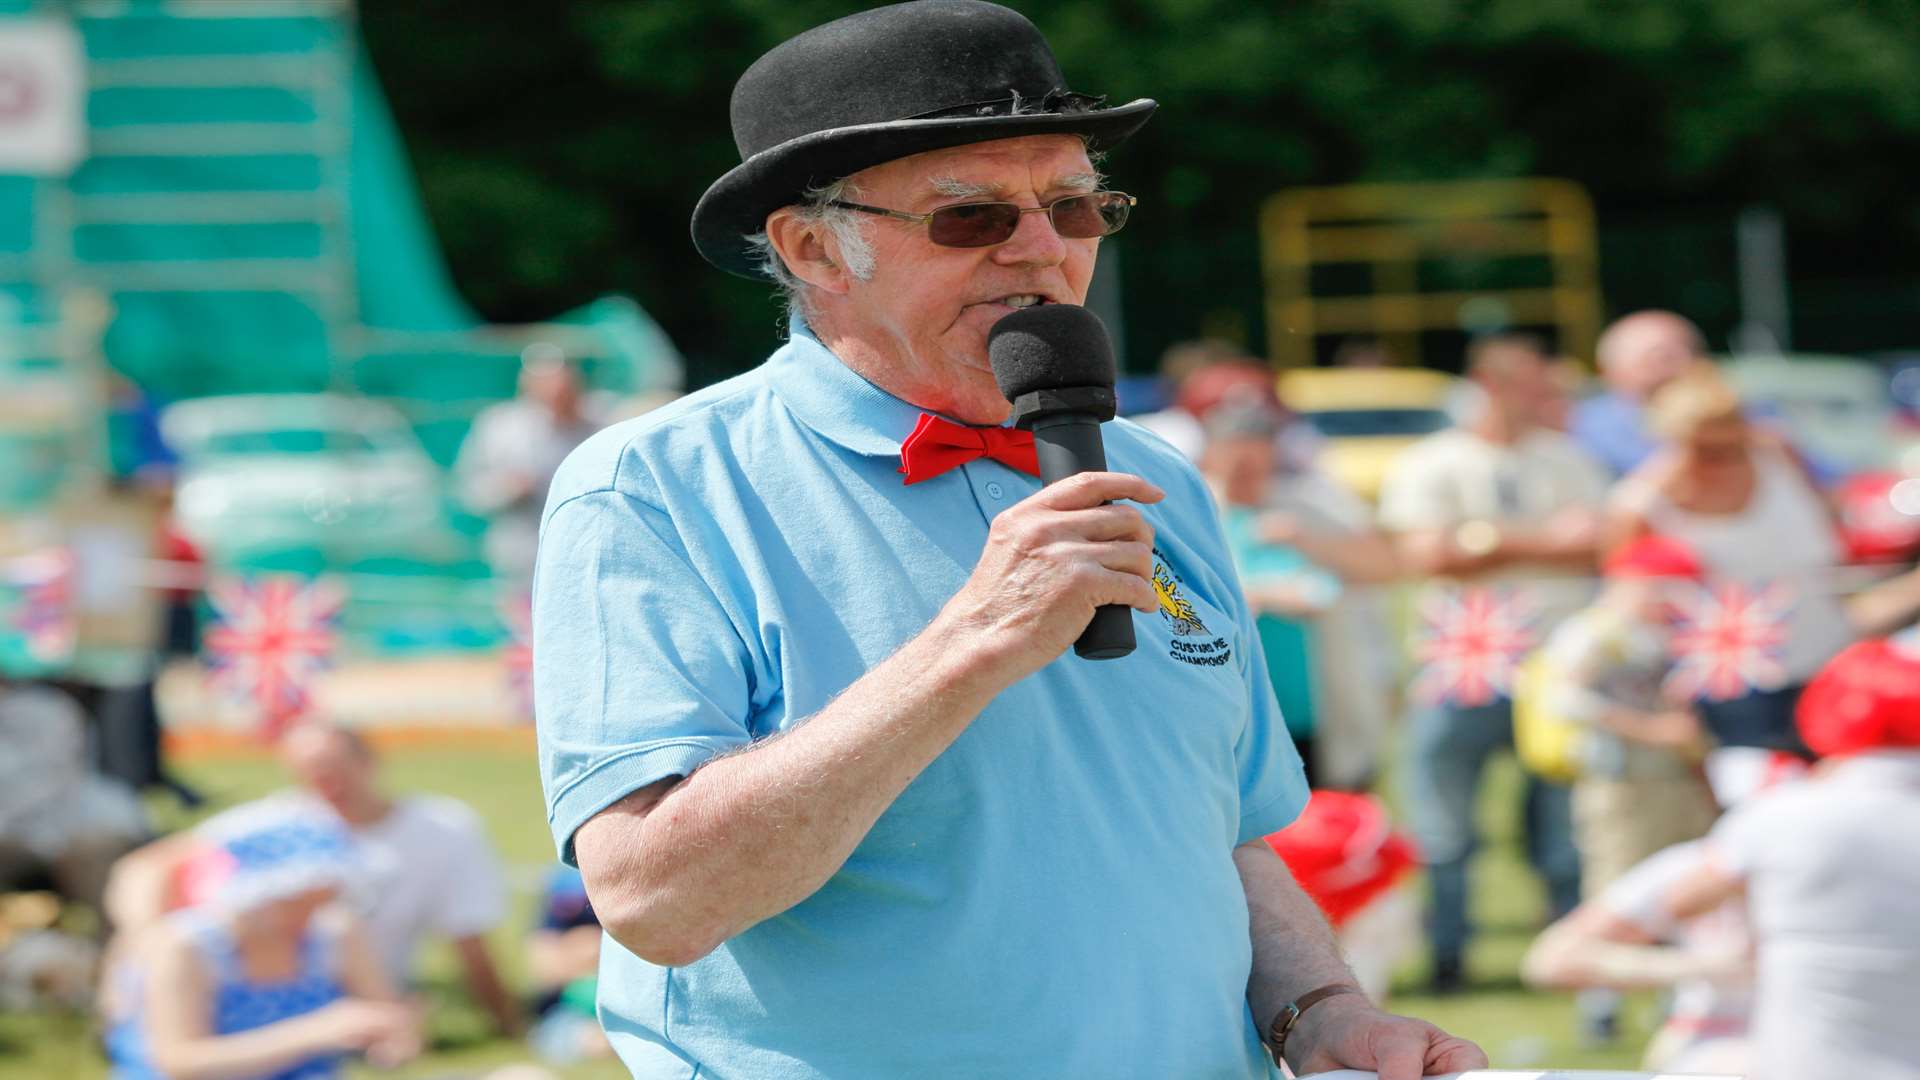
(1782, 534)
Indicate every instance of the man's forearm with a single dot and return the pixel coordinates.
(755, 832)
(1294, 950)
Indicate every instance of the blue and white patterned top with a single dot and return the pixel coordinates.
(238, 1003)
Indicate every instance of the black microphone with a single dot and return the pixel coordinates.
(1054, 362)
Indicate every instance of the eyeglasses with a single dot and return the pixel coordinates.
(971, 225)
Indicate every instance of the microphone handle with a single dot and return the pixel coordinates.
(1069, 443)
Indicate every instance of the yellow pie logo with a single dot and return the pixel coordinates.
(1174, 607)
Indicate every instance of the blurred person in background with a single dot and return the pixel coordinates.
(1640, 788)
(1741, 501)
(1502, 513)
(1604, 671)
(1300, 542)
(429, 869)
(509, 457)
(1637, 355)
(1630, 936)
(260, 975)
(60, 821)
(1199, 375)
(1829, 869)
(563, 958)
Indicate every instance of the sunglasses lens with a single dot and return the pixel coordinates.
(1084, 217)
(973, 225)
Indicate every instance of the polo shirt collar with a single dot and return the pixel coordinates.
(832, 399)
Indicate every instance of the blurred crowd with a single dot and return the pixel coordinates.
(1643, 591)
(1641, 588)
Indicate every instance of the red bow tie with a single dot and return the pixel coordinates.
(937, 445)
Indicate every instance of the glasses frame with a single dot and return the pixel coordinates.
(1046, 208)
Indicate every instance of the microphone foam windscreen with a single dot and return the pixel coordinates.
(1050, 347)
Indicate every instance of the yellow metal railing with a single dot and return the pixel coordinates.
(1391, 230)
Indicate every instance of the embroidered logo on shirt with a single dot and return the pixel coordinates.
(1190, 643)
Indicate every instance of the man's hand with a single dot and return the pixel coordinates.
(1347, 1032)
(1050, 561)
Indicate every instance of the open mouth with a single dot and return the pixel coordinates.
(1016, 301)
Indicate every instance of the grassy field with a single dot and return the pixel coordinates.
(1518, 1027)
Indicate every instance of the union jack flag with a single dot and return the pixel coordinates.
(43, 611)
(1728, 640)
(517, 612)
(1471, 641)
(275, 633)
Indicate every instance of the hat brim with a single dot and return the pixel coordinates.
(738, 203)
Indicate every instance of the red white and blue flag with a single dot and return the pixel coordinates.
(1729, 640)
(42, 611)
(1470, 643)
(274, 636)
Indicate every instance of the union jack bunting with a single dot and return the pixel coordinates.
(1728, 639)
(1471, 641)
(42, 610)
(274, 635)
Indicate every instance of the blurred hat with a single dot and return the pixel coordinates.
(1867, 698)
(1653, 556)
(1344, 852)
(881, 85)
(262, 852)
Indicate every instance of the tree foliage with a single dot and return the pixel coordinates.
(561, 152)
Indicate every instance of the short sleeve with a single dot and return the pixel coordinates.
(1640, 895)
(479, 902)
(1741, 837)
(1273, 780)
(1416, 496)
(639, 674)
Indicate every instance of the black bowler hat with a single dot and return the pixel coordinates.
(881, 85)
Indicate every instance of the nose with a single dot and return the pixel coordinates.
(1033, 243)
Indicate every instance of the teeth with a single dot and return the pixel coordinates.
(1024, 300)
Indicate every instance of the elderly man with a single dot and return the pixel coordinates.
(1638, 354)
(842, 804)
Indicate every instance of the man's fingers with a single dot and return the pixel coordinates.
(1116, 522)
(1127, 557)
(1130, 589)
(1451, 1054)
(1091, 489)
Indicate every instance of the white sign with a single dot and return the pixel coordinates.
(43, 97)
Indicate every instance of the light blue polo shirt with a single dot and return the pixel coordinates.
(1054, 896)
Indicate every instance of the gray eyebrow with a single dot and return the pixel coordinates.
(955, 188)
(961, 189)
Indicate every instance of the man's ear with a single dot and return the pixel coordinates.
(805, 248)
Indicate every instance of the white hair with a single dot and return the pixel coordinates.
(848, 231)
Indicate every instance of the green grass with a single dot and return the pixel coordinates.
(1517, 1026)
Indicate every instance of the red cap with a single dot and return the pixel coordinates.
(1866, 698)
(1654, 556)
(1343, 851)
